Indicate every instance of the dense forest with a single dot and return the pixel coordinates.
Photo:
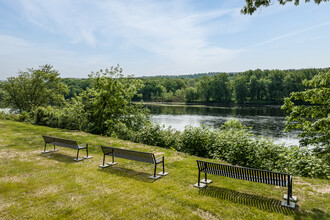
(250, 87)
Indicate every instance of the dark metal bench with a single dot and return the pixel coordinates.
(65, 143)
(133, 155)
(249, 174)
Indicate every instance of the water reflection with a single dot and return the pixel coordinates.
(265, 121)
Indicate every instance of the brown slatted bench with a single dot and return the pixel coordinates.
(133, 155)
(64, 143)
(249, 174)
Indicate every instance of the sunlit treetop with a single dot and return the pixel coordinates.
(252, 5)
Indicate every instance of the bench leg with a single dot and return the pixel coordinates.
(45, 149)
(163, 173)
(77, 158)
(292, 198)
(289, 196)
(103, 165)
(206, 181)
(199, 184)
(113, 160)
(87, 157)
(54, 149)
(154, 177)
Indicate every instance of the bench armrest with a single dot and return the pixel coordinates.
(160, 158)
(82, 146)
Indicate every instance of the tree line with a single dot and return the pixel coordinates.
(249, 87)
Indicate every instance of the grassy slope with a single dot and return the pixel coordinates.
(40, 186)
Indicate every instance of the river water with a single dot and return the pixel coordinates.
(268, 121)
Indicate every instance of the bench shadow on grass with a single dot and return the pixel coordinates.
(260, 202)
(59, 157)
(125, 172)
(313, 214)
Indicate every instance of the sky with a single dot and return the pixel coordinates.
(157, 37)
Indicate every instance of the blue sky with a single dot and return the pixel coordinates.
(148, 37)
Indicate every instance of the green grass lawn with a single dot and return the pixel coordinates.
(53, 186)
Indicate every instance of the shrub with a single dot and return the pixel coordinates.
(23, 116)
(8, 116)
(154, 134)
(46, 116)
(302, 162)
(198, 141)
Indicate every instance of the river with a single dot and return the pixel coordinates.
(268, 121)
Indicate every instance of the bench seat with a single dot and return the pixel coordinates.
(55, 141)
(133, 155)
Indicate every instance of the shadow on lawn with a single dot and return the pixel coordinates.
(124, 172)
(59, 157)
(260, 202)
(314, 214)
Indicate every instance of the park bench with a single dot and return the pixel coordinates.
(65, 143)
(133, 155)
(249, 174)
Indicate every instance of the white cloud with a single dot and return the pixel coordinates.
(17, 54)
(284, 36)
(171, 30)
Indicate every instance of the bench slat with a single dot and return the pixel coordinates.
(65, 143)
(60, 142)
(133, 155)
(129, 154)
(244, 173)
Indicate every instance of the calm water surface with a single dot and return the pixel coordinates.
(265, 121)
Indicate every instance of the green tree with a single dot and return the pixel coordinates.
(152, 90)
(254, 88)
(313, 118)
(275, 87)
(252, 5)
(33, 88)
(204, 89)
(240, 85)
(108, 102)
(172, 84)
(191, 94)
(75, 86)
(220, 88)
(2, 95)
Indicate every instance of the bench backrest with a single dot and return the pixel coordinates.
(244, 173)
(60, 142)
(129, 154)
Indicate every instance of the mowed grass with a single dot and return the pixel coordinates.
(53, 186)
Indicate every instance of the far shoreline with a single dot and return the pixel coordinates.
(206, 105)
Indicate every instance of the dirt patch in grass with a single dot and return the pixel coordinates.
(77, 133)
(8, 154)
(4, 205)
(174, 158)
(205, 214)
(323, 190)
(49, 189)
(12, 179)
